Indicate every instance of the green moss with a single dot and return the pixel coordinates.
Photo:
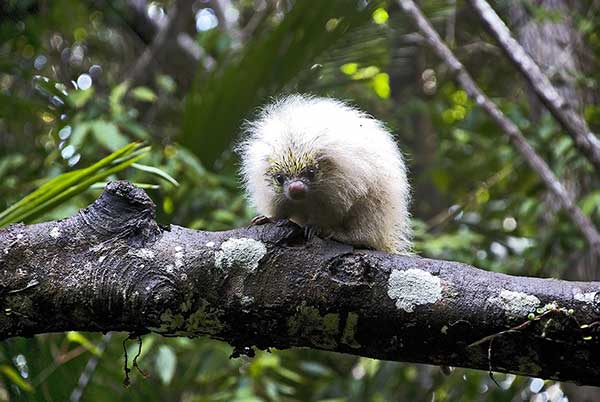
(204, 320)
(322, 330)
(527, 366)
(350, 331)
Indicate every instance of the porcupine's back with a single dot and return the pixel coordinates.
(361, 196)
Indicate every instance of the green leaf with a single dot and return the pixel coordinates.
(107, 134)
(349, 68)
(590, 202)
(143, 94)
(380, 16)
(156, 171)
(166, 83)
(80, 131)
(79, 338)
(381, 85)
(79, 98)
(165, 364)
(67, 185)
(15, 378)
(115, 98)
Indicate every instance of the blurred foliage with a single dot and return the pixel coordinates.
(65, 108)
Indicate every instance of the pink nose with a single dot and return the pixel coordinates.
(297, 190)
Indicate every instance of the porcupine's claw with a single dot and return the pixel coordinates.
(311, 231)
(260, 220)
(285, 235)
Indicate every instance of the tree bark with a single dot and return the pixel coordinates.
(111, 267)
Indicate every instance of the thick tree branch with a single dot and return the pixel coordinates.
(569, 119)
(111, 267)
(509, 128)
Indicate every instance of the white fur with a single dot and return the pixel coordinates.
(362, 194)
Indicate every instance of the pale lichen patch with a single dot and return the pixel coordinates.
(144, 253)
(413, 287)
(588, 297)
(178, 256)
(210, 244)
(515, 304)
(247, 301)
(55, 232)
(240, 253)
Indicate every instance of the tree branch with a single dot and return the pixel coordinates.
(111, 267)
(166, 40)
(510, 129)
(178, 11)
(569, 119)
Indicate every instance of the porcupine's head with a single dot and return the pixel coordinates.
(305, 151)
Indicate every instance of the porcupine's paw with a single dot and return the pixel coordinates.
(285, 232)
(260, 220)
(311, 231)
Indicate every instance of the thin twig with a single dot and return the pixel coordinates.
(571, 121)
(126, 369)
(135, 358)
(566, 199)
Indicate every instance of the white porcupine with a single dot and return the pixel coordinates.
(329, 167)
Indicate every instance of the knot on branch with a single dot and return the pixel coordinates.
(122, 210)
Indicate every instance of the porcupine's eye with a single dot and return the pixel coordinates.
(280, 178)
(310, 173)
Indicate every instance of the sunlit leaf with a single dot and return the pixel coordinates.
(15, 378)
(349, 68)
(79, 338)
(381, 85)
(380, 16)
(79, 98)
(143, 94)
(165, 363)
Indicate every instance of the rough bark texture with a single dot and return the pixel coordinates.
(112, 267)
